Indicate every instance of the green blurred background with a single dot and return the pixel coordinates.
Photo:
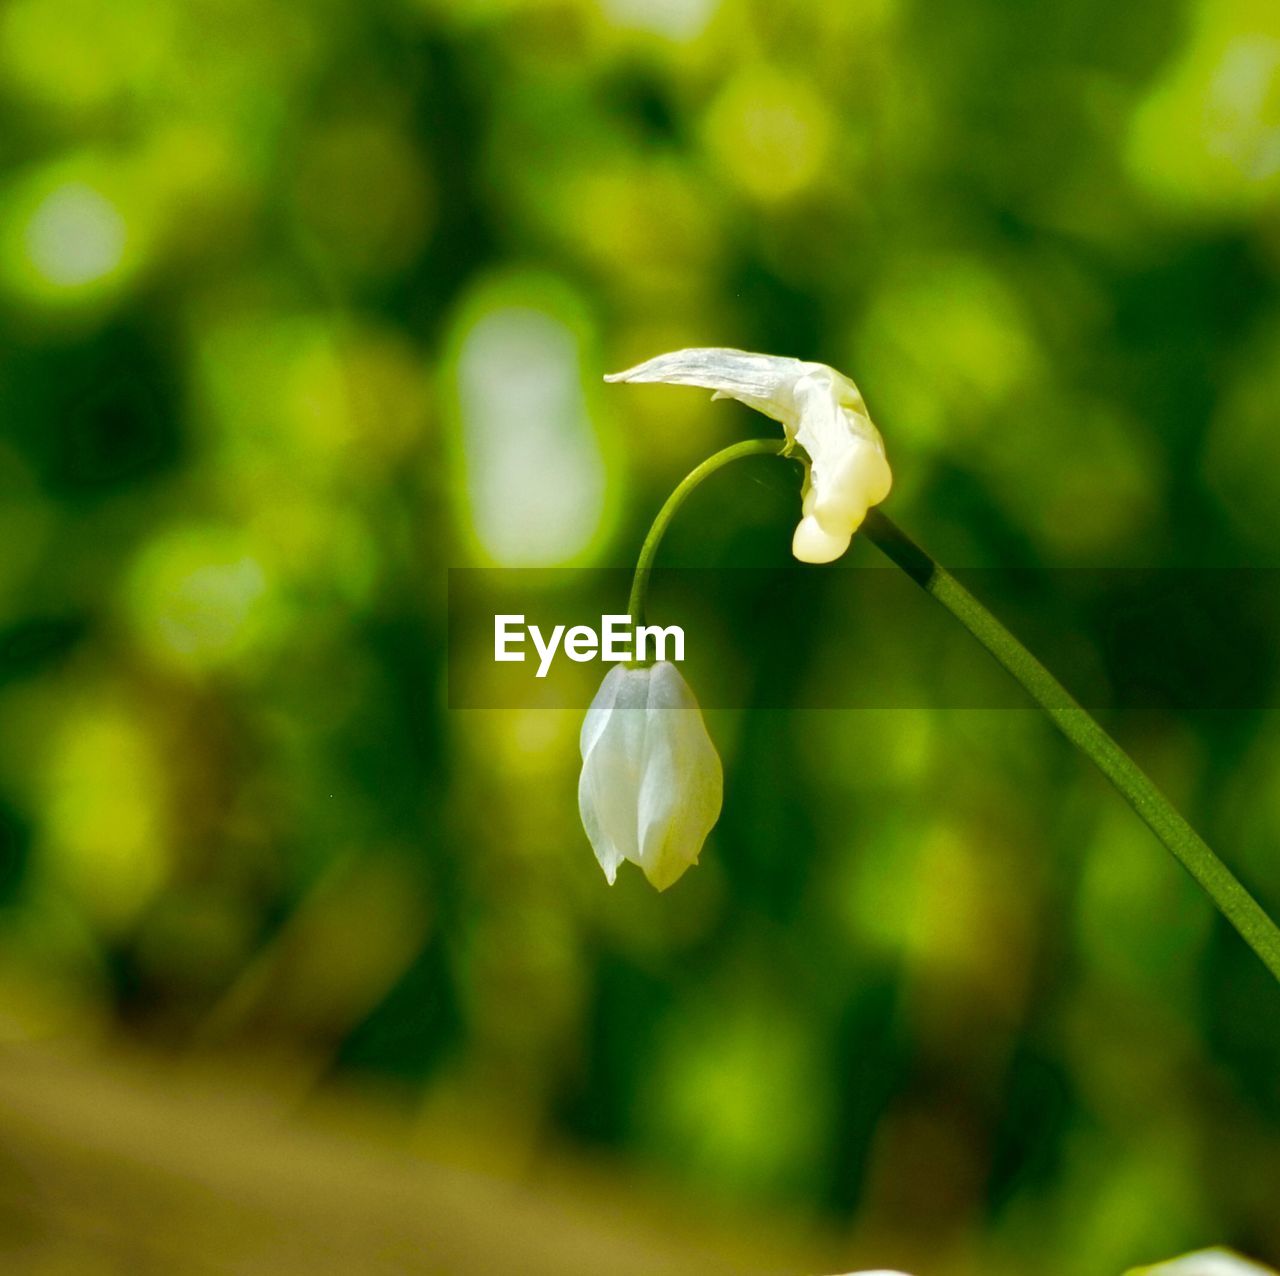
(303, 302)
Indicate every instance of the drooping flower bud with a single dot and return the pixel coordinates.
(820, 409)
(651, 784)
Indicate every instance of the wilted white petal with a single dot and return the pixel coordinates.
(651, 783)
(1206, 1262)
(761, 381)
(820, 409)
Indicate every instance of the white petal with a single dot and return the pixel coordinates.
(683, 785)
(651, 783)
(849, 472)
(762, 381)
(820, 409)
(601, 706)
(592, 795)
(812, 543)
(612, 751)
(1207, 1262)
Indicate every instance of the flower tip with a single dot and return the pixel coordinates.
(666, 873)
(812, 543)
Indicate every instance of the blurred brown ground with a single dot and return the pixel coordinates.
(113, 1167)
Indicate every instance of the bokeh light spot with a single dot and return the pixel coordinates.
(73, 56)
(736, 1100)
(535, 476)
(1207, 138)
(200, 598)
(103, 825)
(75, 237)
(769, 132)
(944, 343)
(675, 19)
(71, 236)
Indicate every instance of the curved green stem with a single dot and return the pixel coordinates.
(644, 564)
(1221, 885)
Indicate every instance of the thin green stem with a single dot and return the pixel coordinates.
(648, 551)
(1219, 883)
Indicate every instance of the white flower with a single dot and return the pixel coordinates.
(820, 409)
(651, 783)
(1206, 1262)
